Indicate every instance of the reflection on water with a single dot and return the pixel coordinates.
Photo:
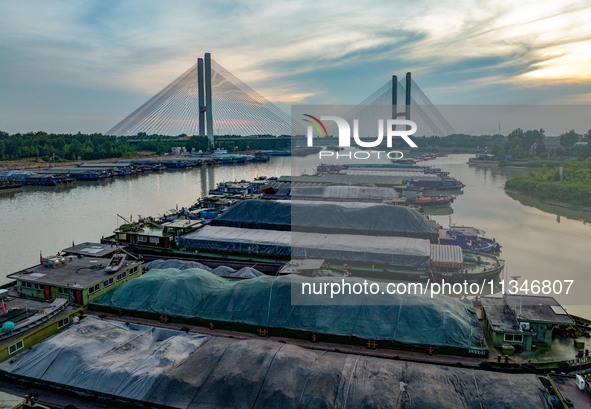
(439, 210)
(535, 246)
(581, 214)
(48, 219)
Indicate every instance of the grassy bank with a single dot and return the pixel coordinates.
(37, 163)
(545, 184)
(536, 163)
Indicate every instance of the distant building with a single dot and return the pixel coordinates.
(178, 150)
(521, 321)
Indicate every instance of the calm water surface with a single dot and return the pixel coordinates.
(536, 244)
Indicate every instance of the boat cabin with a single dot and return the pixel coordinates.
(522, 321)
(78, 279)
(149, 234)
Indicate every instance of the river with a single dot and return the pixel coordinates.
(536, 244)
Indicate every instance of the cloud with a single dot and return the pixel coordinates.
(305, 51)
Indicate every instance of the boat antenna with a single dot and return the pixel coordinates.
(516, 278)
(123, 218)
(505, 270)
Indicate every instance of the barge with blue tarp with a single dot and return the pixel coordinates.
(399, 258)
(376, 241)
(377, 220)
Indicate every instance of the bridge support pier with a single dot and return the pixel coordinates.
(406, 113)
(408, 85)
(208, 99)
(200, 91)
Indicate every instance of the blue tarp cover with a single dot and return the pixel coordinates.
(378, 220)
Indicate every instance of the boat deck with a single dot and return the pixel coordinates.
(468, 230)
(78, 272)
(411, 356)
(33, 318)
(569, 390)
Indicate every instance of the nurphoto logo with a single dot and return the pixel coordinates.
(344, 134)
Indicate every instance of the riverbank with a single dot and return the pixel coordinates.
(536, 163)
(572, 188)
(37, 163)
(560, 209)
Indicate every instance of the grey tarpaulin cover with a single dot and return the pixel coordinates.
(378, 220)
(338, 193)
(180, 370)
(397, 251)
(337, 179)
(229, 272)
(222, 271)
(266, 302)
(174, 263)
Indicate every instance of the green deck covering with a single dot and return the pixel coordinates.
(266, 302)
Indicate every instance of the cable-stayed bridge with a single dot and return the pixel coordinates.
(206, 96)
(209, 100)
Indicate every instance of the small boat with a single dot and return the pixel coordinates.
(431, 201)
(408, 161)
(483, 160)
(445, 183)
(468, 241)
(260, 157)
(9, 186)
(116, 262)
(450, 184)
(268, 190)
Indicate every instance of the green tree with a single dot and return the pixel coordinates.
(568, 139)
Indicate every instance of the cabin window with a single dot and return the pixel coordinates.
(63, 323)
(16, 347)
(108, 282)
(94, 289)
(154, 240)
(28, 285)
(514, 337)
(62, 291)
(37, 286)
(121, 276)
(142, 239)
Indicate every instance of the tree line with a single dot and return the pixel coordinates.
(546, 185)
(65, 147)
(61, 146)
(519, 144)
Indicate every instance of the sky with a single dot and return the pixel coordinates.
(70, 66)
